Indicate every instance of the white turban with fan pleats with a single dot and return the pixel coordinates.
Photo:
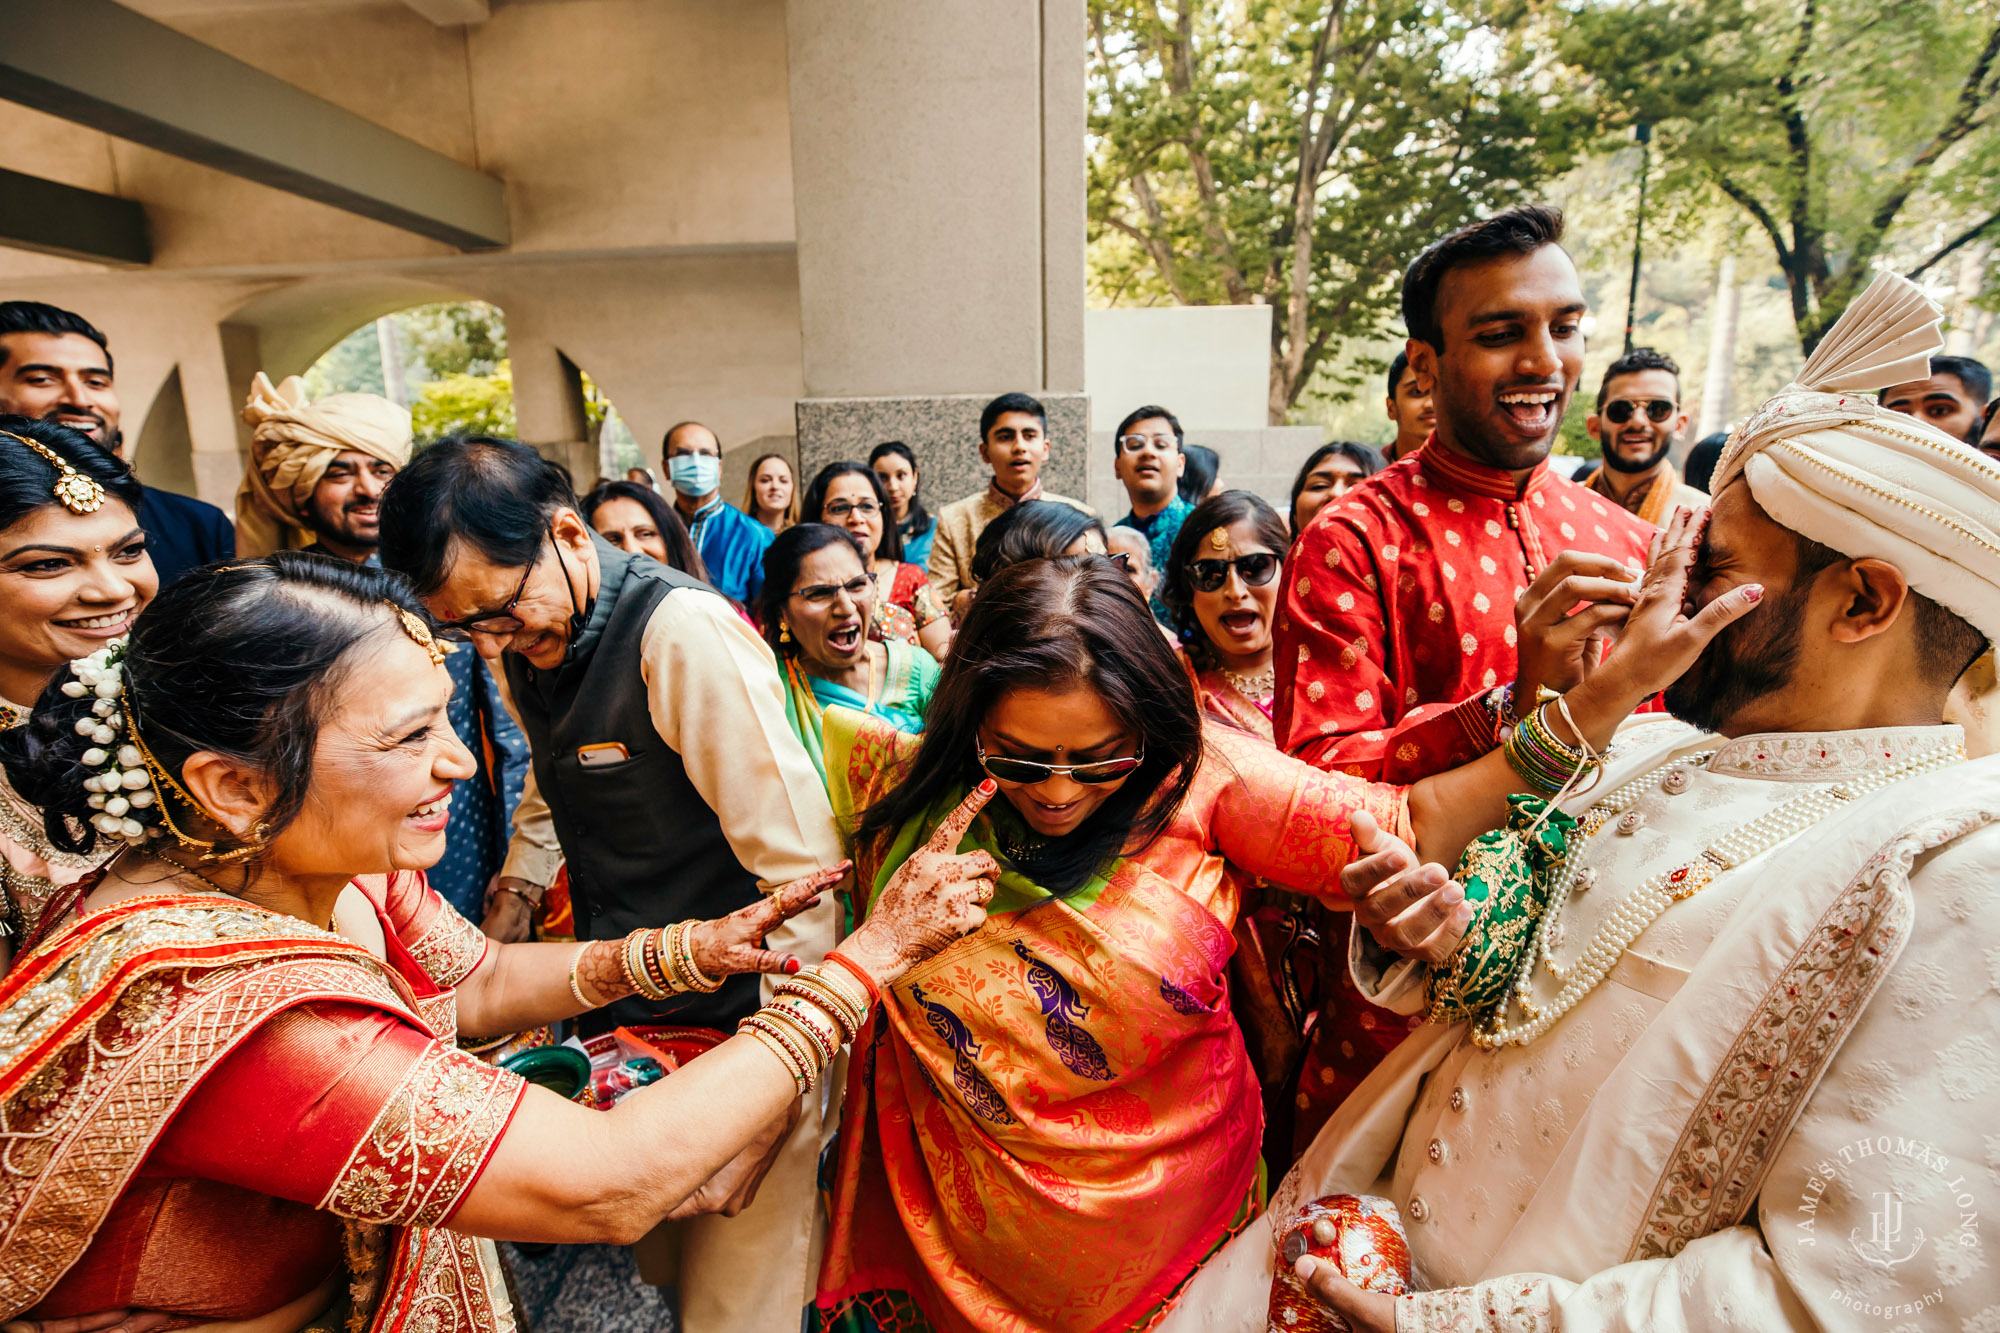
(1822, 458)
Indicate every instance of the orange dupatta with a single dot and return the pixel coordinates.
(1051, 1123)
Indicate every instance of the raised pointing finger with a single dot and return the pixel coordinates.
(945, 841)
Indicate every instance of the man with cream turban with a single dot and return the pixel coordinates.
(317, 468)
(1742, 1074)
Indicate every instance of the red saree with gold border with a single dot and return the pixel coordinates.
(218, 1111)
(1051, 1123)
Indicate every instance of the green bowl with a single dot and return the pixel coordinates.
(563, 1070)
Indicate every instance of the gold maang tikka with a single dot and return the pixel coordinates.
(77, 493)
(420, 634)
(1219, 539)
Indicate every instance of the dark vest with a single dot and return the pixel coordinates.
(643, 847)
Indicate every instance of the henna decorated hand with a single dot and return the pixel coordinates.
(1560, 642)
(933, 898)
(736, 942)
(104, 1321)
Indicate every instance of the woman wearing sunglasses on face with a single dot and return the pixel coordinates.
(1052, 1126)
(816, 606)
(1222, 587)
(849, 495)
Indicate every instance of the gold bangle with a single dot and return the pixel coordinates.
(797, 1053)
(576, 986)
(844, 1012)
(755, 1032)
(684, 947)
(632, 956)
(826, 1044)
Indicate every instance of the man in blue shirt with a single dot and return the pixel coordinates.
(56, 366)
(1149, 463)
(731, 542)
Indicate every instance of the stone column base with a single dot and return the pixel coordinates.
(943, 431)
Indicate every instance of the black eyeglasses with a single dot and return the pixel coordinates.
(1028, 772)
(842, 508)
(503, 621)
(822, 594)
(1619, 410)
(1255, 569)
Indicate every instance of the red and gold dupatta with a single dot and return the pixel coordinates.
(106, 1029)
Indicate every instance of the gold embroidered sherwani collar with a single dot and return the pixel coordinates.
(1828, 756)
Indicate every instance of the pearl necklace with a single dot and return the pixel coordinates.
(1253, 685)
(1650, 900)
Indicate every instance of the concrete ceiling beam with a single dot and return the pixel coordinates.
(100, 64)
(51, 218)
(447, 13)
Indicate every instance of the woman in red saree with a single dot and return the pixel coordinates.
(229, 1088)
(1050, 1124)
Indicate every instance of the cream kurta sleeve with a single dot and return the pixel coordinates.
(1874, 1215)
(716, 698)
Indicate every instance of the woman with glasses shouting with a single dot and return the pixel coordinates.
(849, 495)
(1222, 588)
(817, 603)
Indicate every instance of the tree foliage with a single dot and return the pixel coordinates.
(463, 403)
(454, 337)
(1299, 153)
(1852, 134)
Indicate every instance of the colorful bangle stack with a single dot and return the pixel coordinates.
(813, 1015)
(1548, 765)
(659, 963)
(860, 974)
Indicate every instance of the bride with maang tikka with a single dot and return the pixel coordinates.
(229, 1085)
(73, 574)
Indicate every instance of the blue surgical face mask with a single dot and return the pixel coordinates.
(695, 474)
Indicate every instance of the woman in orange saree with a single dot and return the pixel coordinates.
(229, 1088)
(1050, 1124)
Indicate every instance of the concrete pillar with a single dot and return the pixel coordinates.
(1719, 379)
(938, 179)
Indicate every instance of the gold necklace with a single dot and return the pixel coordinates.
(1253, 685)
(1645, 905)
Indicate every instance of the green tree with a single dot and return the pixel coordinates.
(1298, 153)
(1854, 134)
(467, 404)
(455, 337)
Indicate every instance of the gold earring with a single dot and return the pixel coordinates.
(260, 836)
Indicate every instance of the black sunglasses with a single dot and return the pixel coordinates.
(1255, 569)
(1620, 410)
(1028, 772)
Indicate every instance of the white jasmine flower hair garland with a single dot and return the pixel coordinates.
(120, 787)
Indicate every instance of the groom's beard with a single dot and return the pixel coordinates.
(1752, 658)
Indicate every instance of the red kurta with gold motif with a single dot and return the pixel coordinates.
(1398, 611)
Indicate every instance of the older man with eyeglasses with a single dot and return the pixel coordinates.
(1148, 459)
(1638, 422)
(664, 773)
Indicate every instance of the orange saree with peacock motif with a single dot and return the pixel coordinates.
(220, 1112)
(1051, 1123)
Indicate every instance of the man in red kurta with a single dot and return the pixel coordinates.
(1396, 635)
(1398, 615)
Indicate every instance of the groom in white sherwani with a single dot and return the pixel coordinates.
(1747, 1076)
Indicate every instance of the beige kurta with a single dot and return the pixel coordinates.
(958, 527)
(1679, 1151)
(716, 697)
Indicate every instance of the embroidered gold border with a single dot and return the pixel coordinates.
(1743, 1116)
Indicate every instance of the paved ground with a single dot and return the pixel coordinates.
(586, 1289)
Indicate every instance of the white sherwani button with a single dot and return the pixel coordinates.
(1458, 1099)
(1419, 1210)
(1437, 1152)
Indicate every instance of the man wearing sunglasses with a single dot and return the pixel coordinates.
(662, 771)
(1638, 423)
